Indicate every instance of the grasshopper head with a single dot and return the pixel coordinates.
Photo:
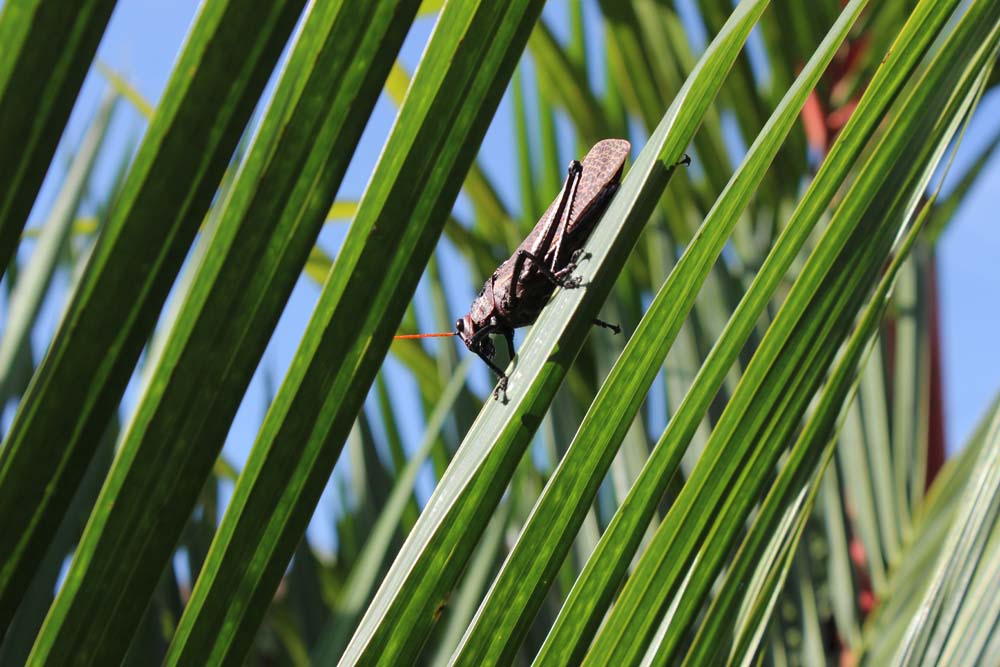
(465, 328)
(474, 338)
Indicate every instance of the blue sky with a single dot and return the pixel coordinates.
(145, 36)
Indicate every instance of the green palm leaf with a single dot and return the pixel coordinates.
(750, 475)
(398, 220)
(68, 405)
(294, 166)
(38, 85)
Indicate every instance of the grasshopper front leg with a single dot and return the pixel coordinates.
(502, 384)
(479, 343)
(508, 335)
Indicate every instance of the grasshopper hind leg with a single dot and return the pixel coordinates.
(561, 278)
(548, 232)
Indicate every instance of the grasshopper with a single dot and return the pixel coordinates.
(517, 291)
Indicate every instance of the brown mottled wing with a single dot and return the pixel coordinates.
(599, 177)
(601, 167)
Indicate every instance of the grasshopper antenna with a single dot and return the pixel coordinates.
(432, 335)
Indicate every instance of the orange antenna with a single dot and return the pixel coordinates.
(433, 335)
